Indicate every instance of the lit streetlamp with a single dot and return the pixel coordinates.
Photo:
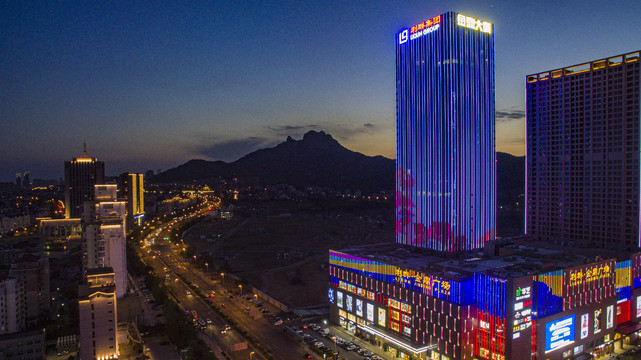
(241, 289)
(251, 355)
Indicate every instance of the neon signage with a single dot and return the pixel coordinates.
(474, 24)
(429, 284)
(580, 277)
(418, 30)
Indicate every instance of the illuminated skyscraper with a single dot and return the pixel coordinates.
(81, 174)
(104, 241)
(97, 313)
(583, 128)
(131, 189)
(445, 116)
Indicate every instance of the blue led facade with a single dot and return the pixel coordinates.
(445, 110)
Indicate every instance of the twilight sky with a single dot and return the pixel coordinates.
(152, 85)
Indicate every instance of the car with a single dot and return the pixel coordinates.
(208, 321)
(223, 331)
(279, 322)
(223, 305)
(227, 327)
(308, 356)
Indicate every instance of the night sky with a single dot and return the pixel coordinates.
(150, 86)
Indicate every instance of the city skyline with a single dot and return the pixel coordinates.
(151, 88)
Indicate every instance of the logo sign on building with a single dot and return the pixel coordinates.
(473, 23)
(359, 307)
(330, 295)
(370, 312)
(559, 333)
(523, 293)
(609, 322)
(585, 325)
(418, 30)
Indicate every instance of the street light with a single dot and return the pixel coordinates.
(251, 355)
(207, 266)
(241, 290)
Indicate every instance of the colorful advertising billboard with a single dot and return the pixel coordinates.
(339, 299)
(330, 295)
(559, 333)
(359, 307)
(585, 325)
(370, 312)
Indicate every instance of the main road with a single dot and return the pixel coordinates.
(166, 262)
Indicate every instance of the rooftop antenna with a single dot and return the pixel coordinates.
(84, 148)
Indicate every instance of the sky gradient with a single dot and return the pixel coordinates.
(150, 86)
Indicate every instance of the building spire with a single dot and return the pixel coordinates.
(84, 148)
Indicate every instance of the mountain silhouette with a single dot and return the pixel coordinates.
(319, 160)
(316, 160)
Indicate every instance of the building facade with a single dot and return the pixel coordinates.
(12, 305)
(104, 239)
(97, 313)
(131, 188)
(81, 174)
(512, 307)
(445, 148)
(583, 153)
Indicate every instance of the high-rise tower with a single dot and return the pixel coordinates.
(583, 153)
(81, 174)
(445, 115)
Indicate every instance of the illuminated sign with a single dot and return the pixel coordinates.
(597, 320)
(359, 307)
(348, 303)
(430, 285)
(474, 24)
(416, 31)
(585, 325)
(638, 306)
(579, 277)
(370, 312)
(523, 293)
(330, 295)
(609, 322)
(559, 333)
(382, 317)
(339, 299)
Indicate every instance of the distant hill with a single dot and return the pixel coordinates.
(316, 160)
(319, 160)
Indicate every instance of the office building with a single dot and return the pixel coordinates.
(97, 315)
(104, 241)
(131, 189)
(81, 174)
(445, 148)
(583, 153)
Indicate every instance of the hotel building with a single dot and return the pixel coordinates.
(81, 174)
(583, 153)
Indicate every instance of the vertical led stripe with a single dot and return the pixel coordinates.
(446, 160)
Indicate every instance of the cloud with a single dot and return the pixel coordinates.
(233, 149)
(369, 125)
(291, 130)
(506, 115)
